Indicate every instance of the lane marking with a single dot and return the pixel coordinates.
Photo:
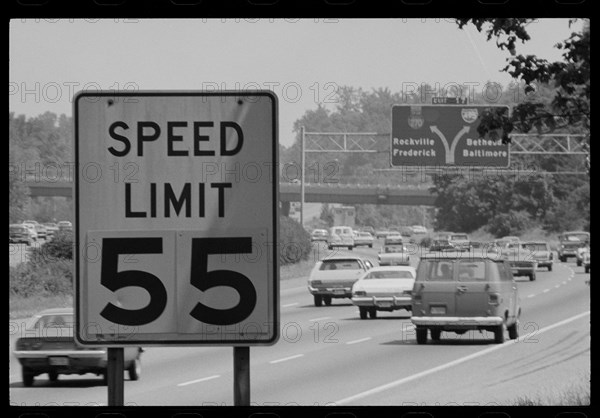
(530, 296)
(564, 282)
(546, 290)
(204, 379)
(286, 358)
(454, 362)
(358, 341)
(557, 286)
(319, 319)
(289, 304)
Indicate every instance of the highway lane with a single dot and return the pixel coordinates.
(325, 354)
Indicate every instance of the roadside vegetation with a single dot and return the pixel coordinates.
(575, 395)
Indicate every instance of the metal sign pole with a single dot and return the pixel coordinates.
(116, 384)
(241, 376)
(302, 177)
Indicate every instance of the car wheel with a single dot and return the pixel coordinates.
(318, 300)
(135, 370)
(27, 377)
(329, 247)
(421, 335)
(562, 259)
(532, 277)
(550, 267)
(327, 300)
(370, 245)
(363, 312)
(513, 330)
(350, 247)
(436, 334)
(53, 376)
(587, 269)
(373, 313)
(579, 263)
(499, 333)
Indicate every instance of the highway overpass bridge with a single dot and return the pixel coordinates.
(348, 194)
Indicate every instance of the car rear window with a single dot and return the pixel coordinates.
(460, 236)
(17, 229)
(48, 321)
(340, 265)
(392, 249)
(435, 270)
(536, 247)
(392, 274)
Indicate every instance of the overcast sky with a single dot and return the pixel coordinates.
(302, 61)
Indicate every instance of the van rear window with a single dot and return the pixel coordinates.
(435, 270)
(470, 271)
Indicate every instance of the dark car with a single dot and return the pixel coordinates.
(441, 245)
(457, 293)
(570, 243)
(49, 347)
(19, 234)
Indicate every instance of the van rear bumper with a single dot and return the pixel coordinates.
(456, 321)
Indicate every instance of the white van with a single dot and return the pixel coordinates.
(340, 236)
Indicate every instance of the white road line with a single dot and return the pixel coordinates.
(453, 363)
(564, 282)
(358, 341)
(546, 290)
(319, 319)
(530, 296)
(204, 379)
(289, 304)
(557, 286)
(286, 358)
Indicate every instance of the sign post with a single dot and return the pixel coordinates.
(444, 135)
(241, 376)
(114, 376)
(176, 220)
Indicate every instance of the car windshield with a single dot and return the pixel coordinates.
(340, 265)
(535, 246)
(53, 321)
(469, 271)
(390, 274)
(16, 229)
(577, 237)
(435, 270)
(393, 249)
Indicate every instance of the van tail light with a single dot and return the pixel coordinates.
(494, 299)
(551, 256)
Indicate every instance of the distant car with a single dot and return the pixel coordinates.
(48, 346)
(51, 228)
(394, 255)
(440, 244)
(541, 252)
(368, 229)
(586, 260)
(333, 277)
(419, 229)
(19, 234)
(384, 289)
(65, 226)
(340, 236)
(363, 238)
(318, 235)
(460, 241)
(522, 262)
(580, 252)
(457, 294)
(32, 229)
(39, 228)
(511, 238)
(382, 233)
(393, 239)
(570, 242)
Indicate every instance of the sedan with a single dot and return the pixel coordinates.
(49, 347)
(363, 238)
(384, 289)
(318, 235)
(18, 234)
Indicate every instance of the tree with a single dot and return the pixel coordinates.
(569, 78)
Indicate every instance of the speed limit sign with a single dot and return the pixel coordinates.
(176, 222)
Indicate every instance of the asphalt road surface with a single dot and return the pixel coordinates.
(328, 356)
